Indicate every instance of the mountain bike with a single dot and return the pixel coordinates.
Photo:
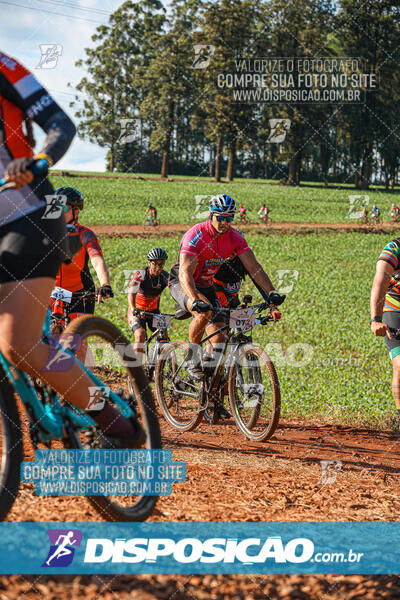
(59, 311)
(162, 322)
(375, 218)
(364, 219)
(150, 220)
(241, 369)
(114, 369)
(265, 219)
(52, 418)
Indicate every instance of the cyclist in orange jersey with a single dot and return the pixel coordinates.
(75, 277)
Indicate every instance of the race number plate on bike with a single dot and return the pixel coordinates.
(60, 294)
(161, 321)
(243, 319)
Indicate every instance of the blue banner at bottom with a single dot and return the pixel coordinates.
(199, 548)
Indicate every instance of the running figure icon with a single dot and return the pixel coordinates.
(62, 549)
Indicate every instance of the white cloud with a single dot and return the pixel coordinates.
(23, 29)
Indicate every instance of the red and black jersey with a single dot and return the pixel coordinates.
(21, 97)
(229, 276)
(18, 92)
(76, 275)
(147, 289)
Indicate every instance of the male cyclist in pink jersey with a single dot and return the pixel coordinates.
(202, 251)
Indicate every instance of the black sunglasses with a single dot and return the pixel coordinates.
(221, 218)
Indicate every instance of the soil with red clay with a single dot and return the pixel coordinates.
(173, 229)
(232, 479)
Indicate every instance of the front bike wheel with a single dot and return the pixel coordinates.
(106, 356)
(254, 393)
(178, 396)
(10, 445)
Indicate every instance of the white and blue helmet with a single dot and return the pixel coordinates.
(222, 204)
(157, 254)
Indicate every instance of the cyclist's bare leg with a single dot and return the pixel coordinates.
(198, 326)
(140, 338)
(21, 335)
(84, 353)
(199, 322)
(396, 380)
(218, 339)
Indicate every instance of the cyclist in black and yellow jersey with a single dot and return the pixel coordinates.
(385, 308)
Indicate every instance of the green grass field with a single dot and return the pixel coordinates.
(329, 363)
(203, 177)
(113, 201)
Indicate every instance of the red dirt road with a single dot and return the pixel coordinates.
(283, 227)
(231, 479)
(196, 587)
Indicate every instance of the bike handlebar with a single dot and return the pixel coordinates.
(396, 332)
(89, 295)
(39, 167)
(262, 306)
(148, 313)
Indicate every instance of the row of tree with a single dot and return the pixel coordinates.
(146, 102)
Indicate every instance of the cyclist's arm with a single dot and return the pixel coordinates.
(22, 89)
(262, 292)
(187, 267)
(92, 246)
(384, 272)
(245, 273)
(133, 288)
(99, 265)
(259, 276)
(132, 301)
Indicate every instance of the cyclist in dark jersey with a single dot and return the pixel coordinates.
(145, 288)
(385, 308)
(76, 277)
(32, 247)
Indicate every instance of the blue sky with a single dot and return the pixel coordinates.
(28, 23)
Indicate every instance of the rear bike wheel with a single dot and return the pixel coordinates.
(254, 393)
(178, 396)
(107, 357)
(10, 445)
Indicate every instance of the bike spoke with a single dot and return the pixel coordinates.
(177, 394)
(105, 360)
(254, 393)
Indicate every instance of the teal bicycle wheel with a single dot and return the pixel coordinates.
(105, 357)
